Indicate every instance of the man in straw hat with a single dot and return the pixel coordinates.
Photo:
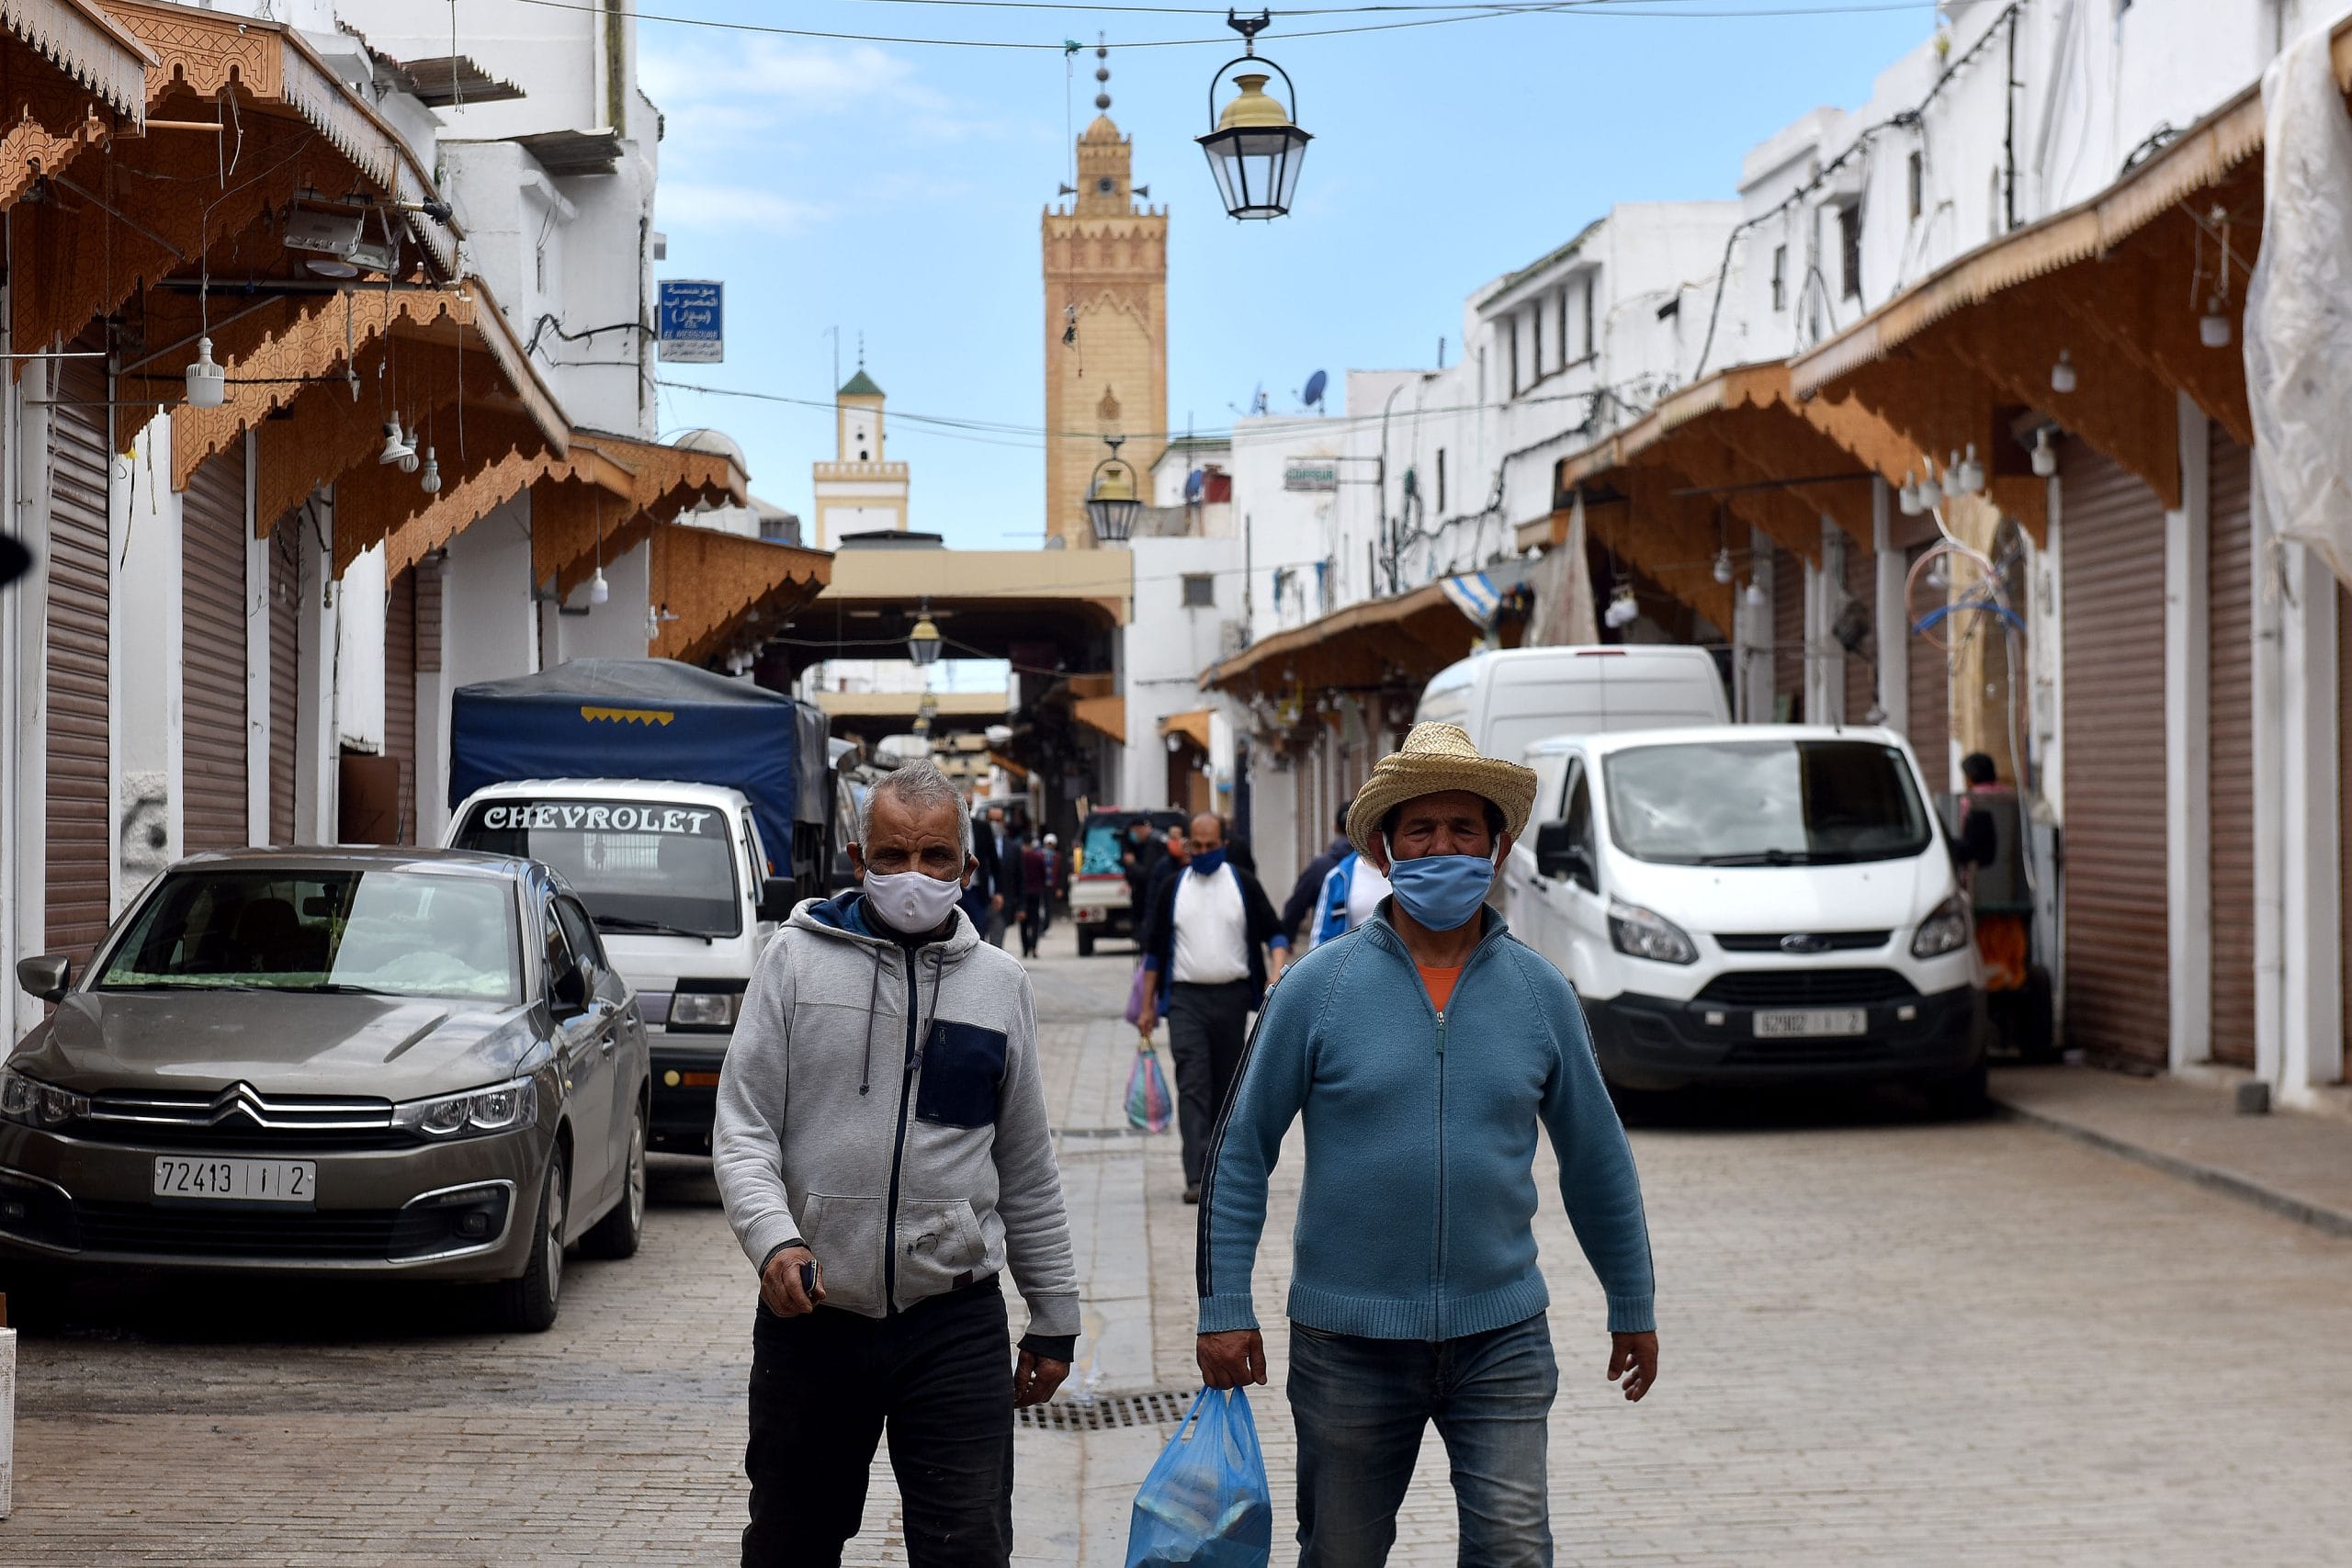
(1423, 1048)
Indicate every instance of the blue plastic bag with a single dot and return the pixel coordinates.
(1149, 1106)
(1206, 1502)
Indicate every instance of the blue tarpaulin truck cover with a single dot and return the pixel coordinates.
(645, 719)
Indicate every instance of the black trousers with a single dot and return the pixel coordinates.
(825, 1388)
(1207, 1027)
(1036, 914)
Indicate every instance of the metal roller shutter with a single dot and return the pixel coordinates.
(2117, 961)
(1788, 633)
(2230, 622)
(285, 672)
(1862, 669)
(400, 696)
(2344, 801)
(80, 784)
(213, 670)
(1927, 676)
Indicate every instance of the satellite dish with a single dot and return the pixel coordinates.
(1194, 482)
(1315, 385)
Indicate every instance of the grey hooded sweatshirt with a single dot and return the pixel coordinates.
(889, 1114)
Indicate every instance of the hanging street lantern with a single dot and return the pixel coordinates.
(922, 643)
(1111, 500)
(1254, 151)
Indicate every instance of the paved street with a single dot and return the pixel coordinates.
(1885, 1341)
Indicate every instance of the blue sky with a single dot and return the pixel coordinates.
(893, 191)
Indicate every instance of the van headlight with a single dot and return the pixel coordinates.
(1638, 933)
(32, 1103)
(712, 1010)
(1944, 930)
(501, 1108)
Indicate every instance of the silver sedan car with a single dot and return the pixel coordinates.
(388, 1062)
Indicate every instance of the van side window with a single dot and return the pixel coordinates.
(1580, 821)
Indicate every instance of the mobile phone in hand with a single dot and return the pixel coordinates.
(809, 1281)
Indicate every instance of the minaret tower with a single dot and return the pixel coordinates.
(1106, 320)
(858, 492)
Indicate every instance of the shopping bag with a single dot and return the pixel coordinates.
(1149, 1105)
(1135, 996)
(1206, 1502)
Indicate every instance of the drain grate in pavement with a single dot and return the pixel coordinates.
(1156, 1407)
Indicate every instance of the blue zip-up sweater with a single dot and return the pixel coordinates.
(1415, 1218)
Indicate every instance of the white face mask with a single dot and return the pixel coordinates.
(910, 901)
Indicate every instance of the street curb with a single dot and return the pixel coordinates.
(2331, 1222)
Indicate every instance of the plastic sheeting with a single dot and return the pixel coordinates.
(645, 719)
(2298, 307)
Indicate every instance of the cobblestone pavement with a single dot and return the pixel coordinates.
(1885, 1340)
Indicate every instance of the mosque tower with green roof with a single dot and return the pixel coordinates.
(860, 490)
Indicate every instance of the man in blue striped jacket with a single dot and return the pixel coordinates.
(1424, 1049)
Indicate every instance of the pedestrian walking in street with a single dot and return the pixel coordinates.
(1309, 886)
(1349, 895)
(882, 1150)
(1424, 1049)
(1211, 932)
(1036, 893)
(994, 898)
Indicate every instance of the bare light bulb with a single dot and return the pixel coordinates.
(1907, 497)
(1931, 494)
(208, 384)
(1722, 565)
(394, 447)
(599, 590)
(1968, 475)
(2045, 454)
(2213, 329)
(2061, 374)
(430, 481)
(1755, 593)
(408, 462)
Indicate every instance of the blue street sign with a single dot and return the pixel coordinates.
(692, 319)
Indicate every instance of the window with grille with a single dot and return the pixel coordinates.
(1200, 588)
(1849, 248)
(1779, 278)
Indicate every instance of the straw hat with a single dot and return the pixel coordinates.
(1434, 758)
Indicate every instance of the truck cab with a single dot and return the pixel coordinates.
(684, 894)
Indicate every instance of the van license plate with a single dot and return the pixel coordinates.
(1834, 1022)
(237, 1181)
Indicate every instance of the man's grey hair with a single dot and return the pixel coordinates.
(920, 787)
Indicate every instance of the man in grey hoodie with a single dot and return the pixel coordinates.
(882, 1149)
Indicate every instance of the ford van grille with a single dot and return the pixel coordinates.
(1808, 988)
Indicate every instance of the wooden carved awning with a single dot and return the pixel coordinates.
(719, 594)
(663, 482)
(70, 78)
(1397, 641)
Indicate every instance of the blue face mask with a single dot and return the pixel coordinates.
(1442, 892)
(1208, 863)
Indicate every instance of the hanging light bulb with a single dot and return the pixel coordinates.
(653, 624)
(2212, 330)
(1623, 610)
(2045, 454)
(430, 481)
(408, 453)
(1968, 474)
(394, 447)
(1722, 565)
(1908, 499)
(599, 590)
(2061, 374)
(208, 384)
(1931, 494)
(1756, 597)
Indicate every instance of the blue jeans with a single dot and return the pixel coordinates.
(1359, 1405)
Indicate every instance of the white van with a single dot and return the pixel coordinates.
(1510, 698)
(1753, 904)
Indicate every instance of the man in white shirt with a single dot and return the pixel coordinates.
(1349, 895)
(1209, 930)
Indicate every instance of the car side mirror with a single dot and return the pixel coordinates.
(1558, 854)
(47, 978)
(775, 898)
(568, 997)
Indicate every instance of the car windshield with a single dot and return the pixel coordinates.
(1765, 803)
(330, 929)
(640, 866)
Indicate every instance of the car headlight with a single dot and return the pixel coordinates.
(1944, 930)
(705, 1010)
(1638, 933)
(33, 1103)
(498, 1108)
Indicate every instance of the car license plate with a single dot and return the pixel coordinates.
(1834, 1022)
(237, 1181)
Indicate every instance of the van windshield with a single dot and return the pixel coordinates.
(1765, 803)
(642, 867)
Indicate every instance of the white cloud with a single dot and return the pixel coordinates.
(685, 205)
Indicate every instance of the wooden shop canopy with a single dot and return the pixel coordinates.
(1398, 641)
(585, 525)
(1965, 355)
(721, 594)
(163, 202)
(73, 79)
(1193, 726)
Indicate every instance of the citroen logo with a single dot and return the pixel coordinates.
(238, 1099)
(1802, 942)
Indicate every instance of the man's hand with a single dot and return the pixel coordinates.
(780, 1284)
(996, 900)
(1034, 1379)
(1634, 1358)
(1146, 1022)
(1232, 1359)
